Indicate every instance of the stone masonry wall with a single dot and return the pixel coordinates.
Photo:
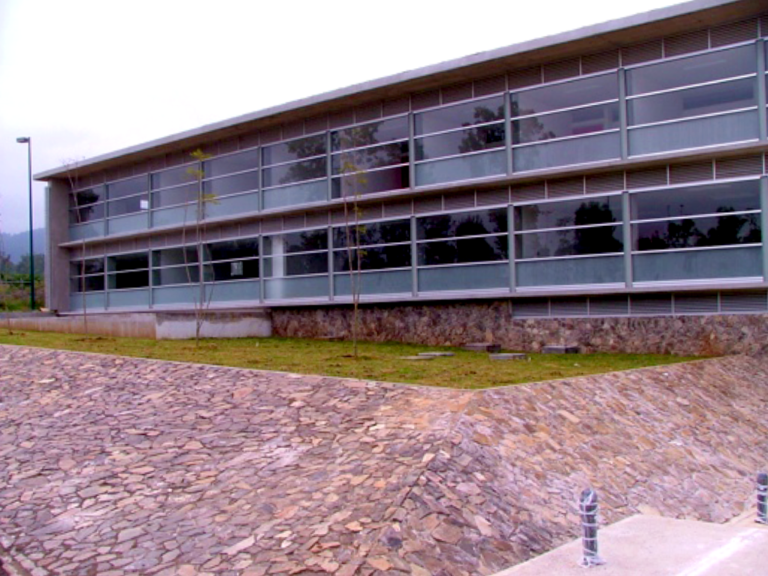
(458, 323)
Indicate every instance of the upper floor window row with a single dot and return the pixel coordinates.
(692, 101)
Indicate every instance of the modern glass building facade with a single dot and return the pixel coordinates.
(599, 175)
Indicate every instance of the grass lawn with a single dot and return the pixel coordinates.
(376, 361)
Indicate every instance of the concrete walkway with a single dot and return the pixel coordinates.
(648, 545)
(113, 466)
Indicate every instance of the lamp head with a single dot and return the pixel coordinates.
(23, 140)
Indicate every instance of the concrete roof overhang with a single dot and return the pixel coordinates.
(590, 39)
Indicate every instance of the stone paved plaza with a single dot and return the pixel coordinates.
(112, 466)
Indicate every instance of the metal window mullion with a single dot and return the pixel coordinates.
(511, 247)
(414, 259)
(508, 132)
(328, 166)
(259, 185)
(411, 151)
(762, 113)
(261, 269)
(623, 121)
(627, 237)
(764, 223)
(331, 271)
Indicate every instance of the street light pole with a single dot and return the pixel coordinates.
(28, 141)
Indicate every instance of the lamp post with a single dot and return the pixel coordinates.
(28, 141)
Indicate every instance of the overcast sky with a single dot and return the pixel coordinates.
(87, 77)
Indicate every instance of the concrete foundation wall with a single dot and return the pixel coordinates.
(459, 323)
(159, 325)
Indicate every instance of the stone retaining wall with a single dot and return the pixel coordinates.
(458, 323)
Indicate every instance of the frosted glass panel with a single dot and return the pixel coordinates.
(233, 205)
(128, 223)
(735, 127)
(281, 288)
(129, 298)
(234, 291)
(567, 152)
(464, 168)
(170, 216)
(290, 195)
(566, 272)
(176, 294)
(86, 231)
(375, 283)
(92, 301)
(699, 264)
(464, 277)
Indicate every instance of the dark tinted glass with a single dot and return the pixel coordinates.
(460, 142)
(371, 182)
(464, 224)
(369, 134)
(298, 242)
(565, 95)
(731, 197)
(467, 114)
(373, 233)
(128, 262)
(92, 212)
(83, 198)
(693, 102)
(127, 187)
(306, 264)
(297, 172)
(464, 251)
(174, 257)
(374, 258)
(127, 280)
(92, 266)
(570, 123)
(248, 160)
(246, 248)
(698, 232)
(693, 70)
(571, 213)
(294, 150)
(236, 270)
(581, 241)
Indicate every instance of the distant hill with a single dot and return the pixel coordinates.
(16, 245)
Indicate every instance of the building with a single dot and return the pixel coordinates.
(615, 171)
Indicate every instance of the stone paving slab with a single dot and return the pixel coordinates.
(116, 466)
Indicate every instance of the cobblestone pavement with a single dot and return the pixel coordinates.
(112, 466)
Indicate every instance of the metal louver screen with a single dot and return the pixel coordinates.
(685, 304)
(523, 78)
(562, 70)
(735, 167)
(493, 197)
(609, 306)
(530, 309)
(650, 305)
(733, 33)
(743, 302)
(428, 205)
(696, 172)
(641, 53)
(686, 43)
(398, 209)
(600, 62)
(647, 178)
(568, 307)
(563, 188)
(460, 201)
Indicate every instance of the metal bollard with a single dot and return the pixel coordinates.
(588, 508)
(762, 498)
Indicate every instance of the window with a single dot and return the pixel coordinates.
(574, 122)
(128, 271)
(296, 254)
(232, 260)
(175, 266)
(87, 205)
(695, 101)
(87, 275)
(460, 142)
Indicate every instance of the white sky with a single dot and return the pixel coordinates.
(87, 77)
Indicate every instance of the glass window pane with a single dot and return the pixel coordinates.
(127, 187)
(693, 102)
(294, 150)
(173, 196)
(460, 142)
(174, 256)
(90, 266)
(298, 194)
(464, 250)
(600, 210)
(297, 172)
(235, 270)
(742, 262)
(467, 114)
(367, 158)
(174, 176)
(386, 282)
(373, 258)
(83, 198)
(248, 160)
(175, 275)
(296, 242)
(461, 168)
(694, 232)
(371, 182)
(462, 224)
(373, 233)
(231, 185)
(581, 241)
(570, 123)
(244, 248)
(124, 262)
(567, 152)
(368, 134)
(693, 70)
(127, 280)
(86, 214)
(565, 95)
(728, 197)
(128, 205)
(306, 264)
(571, 271)
(478, 277)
